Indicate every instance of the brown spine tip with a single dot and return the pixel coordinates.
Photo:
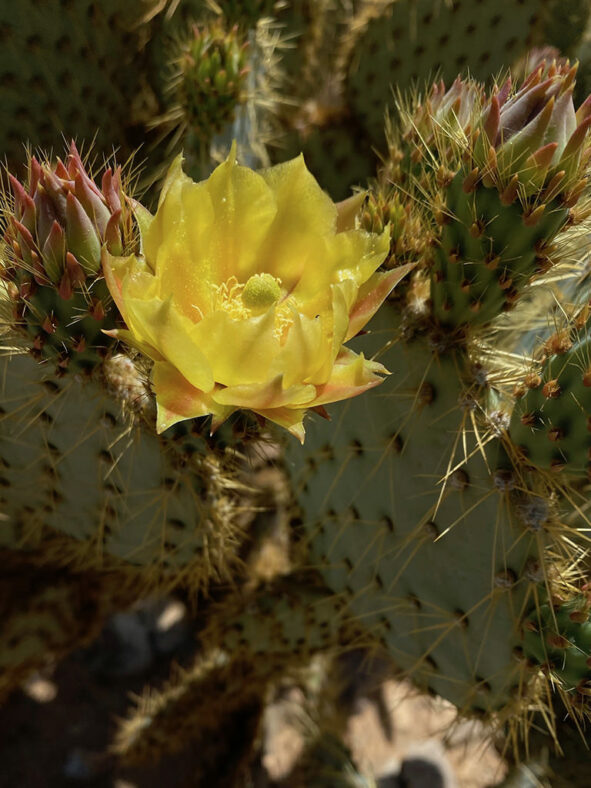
(477, 229)
(505, 579)
(558, 641)
(425, 394)
(459, 479)
(532, 380)
(50, 324)
(511, 295)
(470, 181)
(519, 391)
(556, 466)
(555, 434)
(510, 192)
(558, 344)
(97, 310)
(533, 216)
(79, 345)
(492, 261)
(552, 389)
(529, 419)
(38, 342)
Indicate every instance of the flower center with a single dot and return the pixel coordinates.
(260, 292)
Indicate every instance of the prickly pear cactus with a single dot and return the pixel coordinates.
(439, 517)
(56, 226)
(427, 508)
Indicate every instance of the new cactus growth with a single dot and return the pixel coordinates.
(550, 424)
(55, 229)
(208, 82)
(506, 169)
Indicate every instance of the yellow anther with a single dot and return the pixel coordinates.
(261, 291)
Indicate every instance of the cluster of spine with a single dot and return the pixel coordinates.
(56, 226)
(551, 422)
(207, 84)
(505, 170)
(558, 638)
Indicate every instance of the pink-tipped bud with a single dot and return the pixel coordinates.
(75, 271)
(83, 240)
(53, 252)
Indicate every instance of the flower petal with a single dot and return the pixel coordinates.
(291, 419)
(173, 336)
(347, 211)
(265, 396)
(352, 375)
(178, 400)
(306, 355)
(372, 295)
(244, 209)
(119, 272)
(305, 215)
(238, 351)
(131, 339)
(353, 254)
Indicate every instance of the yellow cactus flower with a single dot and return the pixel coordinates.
(246, 288)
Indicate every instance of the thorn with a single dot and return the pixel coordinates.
(97, 310)
(510, 192)
(553, 187)
(65, 287)
(551, 389)
(477, 229)
(470, 181)
(555, 434)
(532, 217)
(49, 325)
(79, 345)
(532, 381)
(492, 261)
(529, 419)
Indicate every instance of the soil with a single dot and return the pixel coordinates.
(56, 730)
